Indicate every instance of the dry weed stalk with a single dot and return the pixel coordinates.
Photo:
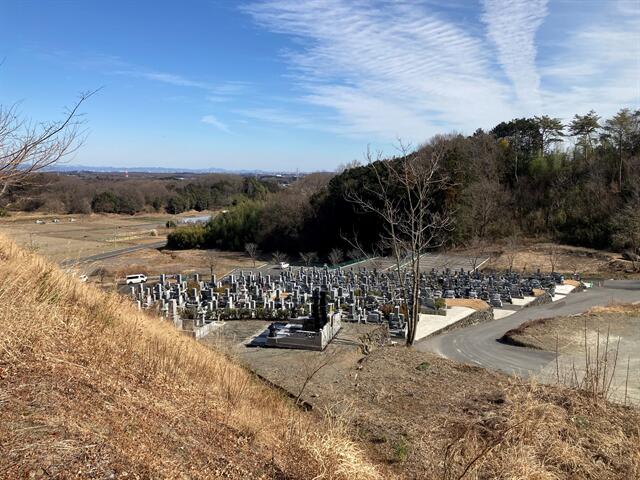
(546, 433)
(599, 366)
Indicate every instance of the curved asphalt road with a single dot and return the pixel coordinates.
(111, 254)
(478, 344)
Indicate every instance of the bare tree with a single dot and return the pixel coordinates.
(404, 194)
(513, 245)
(554, 257)
(212, 261)
(101, 273)
(477, 250)
(335, 256)
(279, 257)
(252, 251)
(27, 147)
(309, 257)
(354, 254)
(372, 257)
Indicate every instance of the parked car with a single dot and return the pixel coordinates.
(284, 265)
(83, 278)
(137, 278)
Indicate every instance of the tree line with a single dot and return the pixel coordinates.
(577, 183)
(108, 193)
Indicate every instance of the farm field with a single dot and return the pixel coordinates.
(76, 236)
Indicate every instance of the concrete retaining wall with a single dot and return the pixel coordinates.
(479, 316)
(199, 332)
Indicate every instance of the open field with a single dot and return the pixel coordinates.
(77, 236)
(152, 261)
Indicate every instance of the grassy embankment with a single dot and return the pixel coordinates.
(90, 387)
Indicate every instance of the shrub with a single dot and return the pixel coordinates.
(187, 237)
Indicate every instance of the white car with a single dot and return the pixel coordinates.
(284, 265)
(83, 278)
(137, 278)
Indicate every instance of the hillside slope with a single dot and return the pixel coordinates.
(92, 388)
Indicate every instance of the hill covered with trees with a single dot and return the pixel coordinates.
(577, 183)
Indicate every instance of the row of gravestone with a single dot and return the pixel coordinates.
(362, 295)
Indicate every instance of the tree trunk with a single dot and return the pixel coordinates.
(620, 162)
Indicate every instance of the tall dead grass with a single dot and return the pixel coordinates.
(90, 387)
(630, 308)
(538, 432)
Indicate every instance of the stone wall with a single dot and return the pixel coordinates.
(540, 300)
(480, 316)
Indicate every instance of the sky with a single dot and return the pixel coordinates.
(287, 85)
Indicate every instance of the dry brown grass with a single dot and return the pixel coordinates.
(155, 262)
(538, 432)
(572, 282)
(474, 303)
(532, 255)
(628, 308)
(90, 387)
(428, 417)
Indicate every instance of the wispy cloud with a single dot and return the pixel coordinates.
(222, 90)
(392, 68)
(169, 78)
(397, 69)
(213, 121)
(598, 66)
(512, 26)
(274, 115)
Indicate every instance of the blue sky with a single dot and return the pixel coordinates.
(294, 84)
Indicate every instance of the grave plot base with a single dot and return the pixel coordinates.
(293, 335)
(202, 331)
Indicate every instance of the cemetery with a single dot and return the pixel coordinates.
(308, 305)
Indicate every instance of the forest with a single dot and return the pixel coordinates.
(108, 193)
(577, 183)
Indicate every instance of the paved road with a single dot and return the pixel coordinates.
(110, 254)
(478, 344)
